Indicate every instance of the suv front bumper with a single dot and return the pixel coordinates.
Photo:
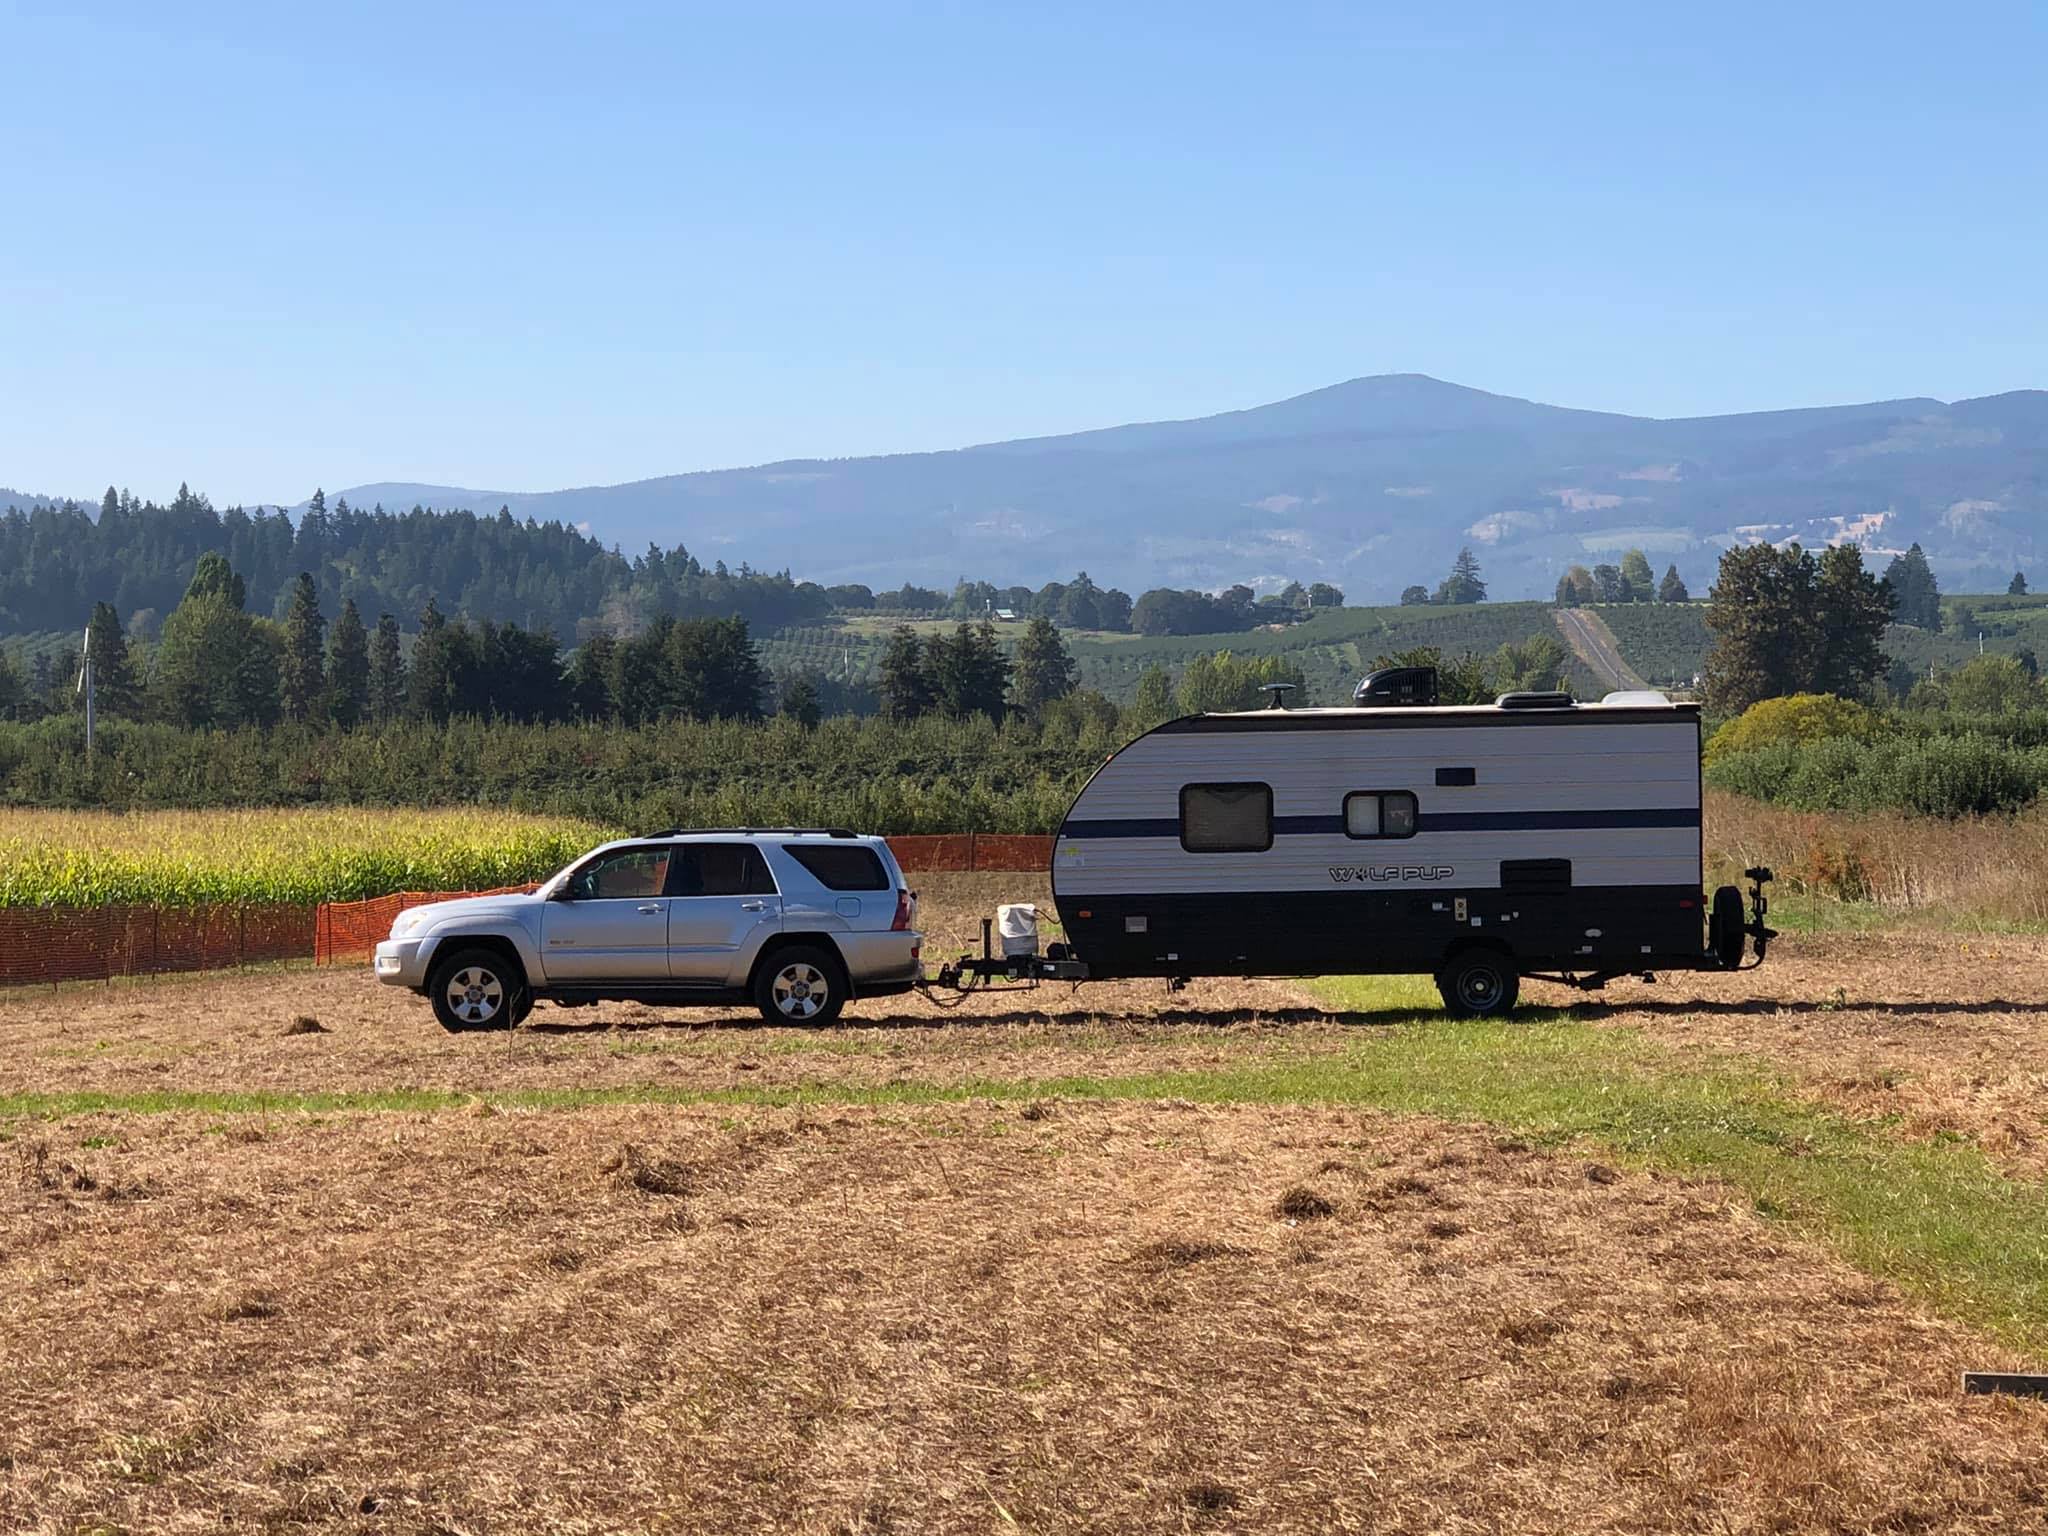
(399, 963)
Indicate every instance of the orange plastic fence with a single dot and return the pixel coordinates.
(971, 850)
(52, 944)
(349, 930)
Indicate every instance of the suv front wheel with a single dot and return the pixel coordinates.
(800, 985)
(478, 989)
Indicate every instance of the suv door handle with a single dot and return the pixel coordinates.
(651, 906)
(753, 906)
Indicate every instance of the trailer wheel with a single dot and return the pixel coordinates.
(1725, 930)
(1478, 983)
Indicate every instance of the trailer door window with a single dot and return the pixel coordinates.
(1226, 818)
(1379, 813)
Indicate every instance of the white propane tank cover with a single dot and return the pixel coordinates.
(1017, 922)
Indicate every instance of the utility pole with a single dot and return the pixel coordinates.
(85, 686)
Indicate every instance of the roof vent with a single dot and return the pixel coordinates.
(1553, 700)
(1391, 687)
(1637, 697)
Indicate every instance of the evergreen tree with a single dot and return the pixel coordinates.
(1638, 581)
(714, 673)
(1853, 609)
(348, 668)
(13, 690)
(1913, 585)
(1044, 669)
(2017, 587)
(1463, 584)
(639, 675)
(800, 702)
(387, 671)
(967, 672)
(1785, 623)
(590, 677)
(1607, 584)
(1672, 588)
(42, 682)
(906, 686)
(117, 694)
(431, 692)
(217, 667)
(302, 684)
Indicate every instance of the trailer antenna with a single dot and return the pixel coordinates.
(1277, 694)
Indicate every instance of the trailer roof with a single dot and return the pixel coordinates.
(1614, 709)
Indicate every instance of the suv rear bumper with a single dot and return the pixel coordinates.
(882, 964)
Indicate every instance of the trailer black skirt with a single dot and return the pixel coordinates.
(1616, 929)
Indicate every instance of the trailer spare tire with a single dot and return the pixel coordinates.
(1725, 931)
(1478, 983)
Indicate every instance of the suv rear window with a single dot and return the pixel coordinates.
(841, 869)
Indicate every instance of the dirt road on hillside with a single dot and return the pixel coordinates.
(1593, 643)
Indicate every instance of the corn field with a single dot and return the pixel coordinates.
(324, 853)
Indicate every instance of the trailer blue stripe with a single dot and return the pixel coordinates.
(1427, 821)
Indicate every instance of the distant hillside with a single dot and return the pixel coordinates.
(1372, 484)
(1333, 649)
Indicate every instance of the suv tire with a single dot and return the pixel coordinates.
(478, 989)
(800, 985)
(1479, 984)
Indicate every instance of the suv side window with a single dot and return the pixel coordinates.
(621, 875)
(721, 869)
(840, 867)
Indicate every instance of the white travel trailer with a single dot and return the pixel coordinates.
(1529, 837)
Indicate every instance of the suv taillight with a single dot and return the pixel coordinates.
(906, 911)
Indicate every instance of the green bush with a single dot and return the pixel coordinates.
(926, 775)
(1798, 717)
(1933, 776)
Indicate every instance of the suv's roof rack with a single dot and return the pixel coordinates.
(751, 831)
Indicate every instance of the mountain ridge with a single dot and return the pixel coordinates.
(1372, 483)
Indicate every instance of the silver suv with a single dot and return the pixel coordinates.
(796, 920)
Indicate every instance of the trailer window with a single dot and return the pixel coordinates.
(1226, 818)
(1379, 813)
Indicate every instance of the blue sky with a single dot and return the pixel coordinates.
(259, 248)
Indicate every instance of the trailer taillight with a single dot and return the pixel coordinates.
(906, 910)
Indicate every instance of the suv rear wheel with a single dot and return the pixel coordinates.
(800, 985)
(478, 989)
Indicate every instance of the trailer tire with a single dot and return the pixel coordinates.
(1725, 929)
(1479, 983)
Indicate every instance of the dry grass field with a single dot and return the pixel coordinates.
(1257, 1257)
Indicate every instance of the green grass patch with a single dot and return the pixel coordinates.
(1937, 1218)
